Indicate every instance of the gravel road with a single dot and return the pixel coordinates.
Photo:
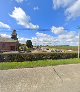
(62, 78)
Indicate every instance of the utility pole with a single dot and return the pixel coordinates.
(79, 45)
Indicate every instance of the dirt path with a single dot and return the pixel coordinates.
(64, 78)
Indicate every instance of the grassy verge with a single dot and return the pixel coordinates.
(40, 63)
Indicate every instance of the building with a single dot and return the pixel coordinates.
(9, 44)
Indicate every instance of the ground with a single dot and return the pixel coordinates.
(62, 78)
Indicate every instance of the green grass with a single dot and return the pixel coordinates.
(40, 63)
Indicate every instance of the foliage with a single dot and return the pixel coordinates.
(28, 49)
(20, 57)
(29, 44)
(14, 35)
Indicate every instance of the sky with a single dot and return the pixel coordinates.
(45, 22)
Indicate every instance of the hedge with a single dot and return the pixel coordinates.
(20, 57)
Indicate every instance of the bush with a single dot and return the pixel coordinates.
(20, 57)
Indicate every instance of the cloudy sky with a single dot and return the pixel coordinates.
(50, 22)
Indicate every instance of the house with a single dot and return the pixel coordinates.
(9, 44)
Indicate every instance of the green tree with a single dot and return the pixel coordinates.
(14, 35)
(29, 44)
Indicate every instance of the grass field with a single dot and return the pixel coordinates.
(74, 48)
(40, 63)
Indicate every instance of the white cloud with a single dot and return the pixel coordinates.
(2, 25)
(73, 11)
(67, 35)
(57, 30)
(36, 8)
(5, 35)
(68, 38)
(22, 18)
(62, 3)
(42, 39)
(19, 1)
(38, 34)
(71, 7)
(22, 39)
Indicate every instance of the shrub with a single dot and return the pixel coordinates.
(20, 57)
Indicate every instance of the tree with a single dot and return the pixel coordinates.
(29, 44)
(14, 35)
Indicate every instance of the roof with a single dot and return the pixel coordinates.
(7, 40)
